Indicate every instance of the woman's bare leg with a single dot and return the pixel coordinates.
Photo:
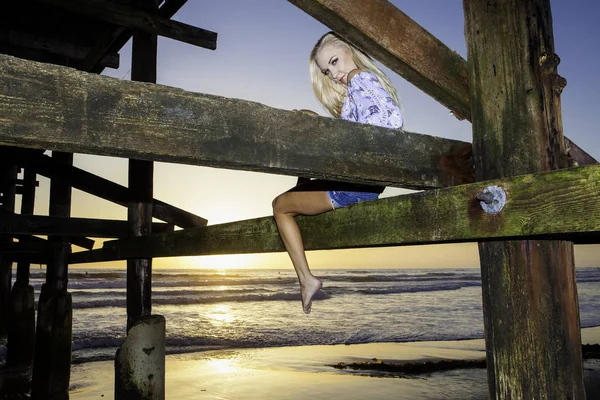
(285, 208)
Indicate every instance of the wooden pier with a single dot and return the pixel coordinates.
(525, 211)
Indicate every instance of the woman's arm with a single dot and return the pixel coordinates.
(373, 104)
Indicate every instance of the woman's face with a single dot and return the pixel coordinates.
(336, 62)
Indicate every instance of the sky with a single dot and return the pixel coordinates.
(262, 56)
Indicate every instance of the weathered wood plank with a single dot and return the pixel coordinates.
(50, 107)
(384, 32)
(15, 224)
(98, 186)
(138, 19)
(554, 203)
(531, 312)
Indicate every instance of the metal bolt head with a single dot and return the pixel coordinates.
(493, 199)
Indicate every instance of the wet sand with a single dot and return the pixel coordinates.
(301, 372)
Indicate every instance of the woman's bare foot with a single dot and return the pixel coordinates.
(308, 290)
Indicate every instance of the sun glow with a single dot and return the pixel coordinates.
(219, 314)
(223, 365)
(233, 261)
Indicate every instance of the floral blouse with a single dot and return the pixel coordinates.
(368, 103)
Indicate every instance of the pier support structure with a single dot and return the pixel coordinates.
(52, 357)
(530, 303)
(21, 329)
(140, 362)
(8, 179)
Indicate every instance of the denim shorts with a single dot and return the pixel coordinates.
(340, 199)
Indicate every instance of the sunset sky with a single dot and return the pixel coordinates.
(262, 56)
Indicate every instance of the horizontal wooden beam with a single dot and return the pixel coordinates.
(50, 107)
(98, 186)
(43, 249)
(384, 32)
(115, 38)
(129, 17)
(82, 242)
(110, 61)
(68, 226)
(72, 53)
(561, 204)
(37, 250)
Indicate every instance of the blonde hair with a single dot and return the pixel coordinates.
(331, 94)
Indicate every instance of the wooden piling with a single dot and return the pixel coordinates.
(21, 330)
(141, 177)
(8, 177)
(531, 312)
(52, 358)
(140, 375)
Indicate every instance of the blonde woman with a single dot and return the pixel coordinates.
(350, 86)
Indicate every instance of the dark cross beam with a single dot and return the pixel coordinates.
(98, 186)
(27, 45)
(133, 18)
(115, 38)
(15, 224)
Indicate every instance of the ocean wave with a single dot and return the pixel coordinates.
(403, 278)
(97, 342)
(119, 284)
(186, 300)
(394, 290)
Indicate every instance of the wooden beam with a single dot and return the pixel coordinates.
(71, 52)
(59, 206)
(51, 107)
(139, 206)
(529, 290)
(133, 18)
(43, 259)
(98, 186)
(555, 203)
(384, 32)
(115, 38)
(8, 177)
(110, 60)
(52, 354)
(11, 248)
(15, 224)
(27, 208)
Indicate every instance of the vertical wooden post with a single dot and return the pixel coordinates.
(21, 331)
(141, 180)
(52, 357)
(139, 271)
(8, 177)
(139, 374)
(531, 312)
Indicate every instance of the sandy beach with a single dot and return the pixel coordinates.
(301, 372)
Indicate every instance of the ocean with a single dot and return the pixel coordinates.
(222, 309)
